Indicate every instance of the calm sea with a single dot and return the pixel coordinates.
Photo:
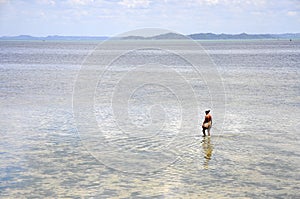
(134, 133)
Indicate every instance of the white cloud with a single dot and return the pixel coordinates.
(41, 14)
(47, 2)
(80, 2)
(211, 2)
(292, 13)
(135, 3)
(229, 2)
(4, 1)
(256, 2)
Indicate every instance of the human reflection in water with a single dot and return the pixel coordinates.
(207, 150)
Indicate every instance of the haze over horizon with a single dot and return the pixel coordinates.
(108, 18)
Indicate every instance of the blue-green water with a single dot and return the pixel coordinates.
(255, 153)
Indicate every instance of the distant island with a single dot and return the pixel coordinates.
(167, 36)
(212, 36)
(55, 38)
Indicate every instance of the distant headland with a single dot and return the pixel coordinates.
(167, 36)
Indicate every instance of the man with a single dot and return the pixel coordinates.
(207, 123)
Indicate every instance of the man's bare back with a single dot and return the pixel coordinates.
(207, 118)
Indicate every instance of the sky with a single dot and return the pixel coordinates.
(112, 17)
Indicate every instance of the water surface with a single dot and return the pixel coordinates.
(253, 154)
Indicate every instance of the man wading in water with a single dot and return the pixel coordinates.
(207, 123)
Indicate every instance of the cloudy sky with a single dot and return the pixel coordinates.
(111, 17)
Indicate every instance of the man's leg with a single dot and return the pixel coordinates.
(203, 131)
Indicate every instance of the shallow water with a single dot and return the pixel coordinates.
(254, 153)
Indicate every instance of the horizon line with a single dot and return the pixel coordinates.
(57, 35)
